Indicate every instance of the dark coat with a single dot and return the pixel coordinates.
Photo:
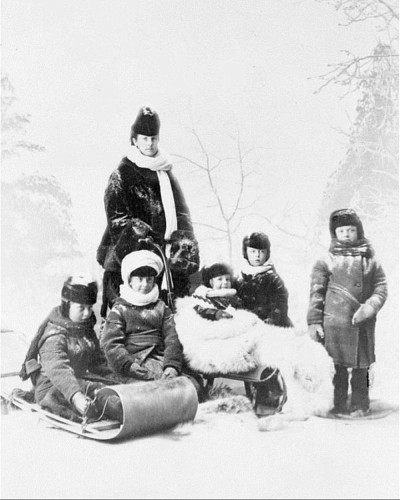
(339, 284)
(136, 333)
(134, 210)
(265, 294)
(67, 351)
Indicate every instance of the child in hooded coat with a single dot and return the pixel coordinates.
(348, 288)
(68, 349)
(261, 289)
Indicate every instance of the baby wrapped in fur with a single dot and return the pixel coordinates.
(239, 341)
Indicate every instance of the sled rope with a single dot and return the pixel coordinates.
(85, 418)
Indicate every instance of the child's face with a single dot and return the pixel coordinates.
(79, 312)
(256, 257)
(219, 282)
(346, 234)
(147, 144)
(142, 284)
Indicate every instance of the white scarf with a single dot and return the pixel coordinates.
(159, 163)
(254, 270)
(139, 299)
(204, 291)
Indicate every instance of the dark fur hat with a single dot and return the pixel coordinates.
(345, 217)
(79, 289)
(214, 270)
(256, 240)
(147, 123)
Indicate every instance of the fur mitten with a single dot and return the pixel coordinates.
(128, 240)
(184, 256)
(363, 313)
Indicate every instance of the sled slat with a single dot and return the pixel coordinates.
(95, 427)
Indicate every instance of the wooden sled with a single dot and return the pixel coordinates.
(379, 409)
(148, 407)
(258, 388)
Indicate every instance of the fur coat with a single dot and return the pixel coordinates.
(243, 342)
(134, 210)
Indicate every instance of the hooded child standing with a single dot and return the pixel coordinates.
(348, 288)
(261, 289)
(143, 199)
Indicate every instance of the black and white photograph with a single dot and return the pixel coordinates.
(199, 249)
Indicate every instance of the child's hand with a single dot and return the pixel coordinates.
(222, 314)
(169, 372)
(137, 371)
(364, 312)
(80, 401)
(316, 332)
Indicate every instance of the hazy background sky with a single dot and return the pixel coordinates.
(83, 68)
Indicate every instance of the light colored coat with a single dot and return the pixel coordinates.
(339, 284)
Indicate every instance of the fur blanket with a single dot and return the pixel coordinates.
(243, 342)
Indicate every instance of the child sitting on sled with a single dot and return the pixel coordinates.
(260, 287)
(68, 348)
(139, 337)
(348, 288)
(216, 299)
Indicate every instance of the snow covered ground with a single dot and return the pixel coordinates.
(218, 456)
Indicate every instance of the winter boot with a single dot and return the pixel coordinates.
(270, 396)
(341, 386)
(359, 392)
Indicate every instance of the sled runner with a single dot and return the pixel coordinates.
(378, 409)
(148, 407)
(264, 386)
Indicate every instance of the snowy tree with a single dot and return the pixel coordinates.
(367, 178)
(13, 124)
(38, 240)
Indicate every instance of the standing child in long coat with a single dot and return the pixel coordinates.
(348, 288)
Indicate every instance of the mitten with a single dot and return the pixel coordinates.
(274, 317)
(184, 253)
(364, 312)
(316, 332)
(137, 371)
(81, 402)
(169, 372)
(129, 237)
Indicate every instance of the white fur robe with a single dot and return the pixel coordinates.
(244, 342)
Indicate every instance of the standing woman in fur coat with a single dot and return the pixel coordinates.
(143, 199)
